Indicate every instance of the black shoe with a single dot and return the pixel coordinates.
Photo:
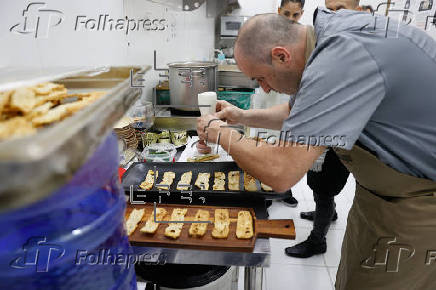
(308, 215)
(290, 201)
(306, 249)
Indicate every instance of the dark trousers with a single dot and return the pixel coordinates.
(326, 184)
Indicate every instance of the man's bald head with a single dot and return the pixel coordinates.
(263, 32)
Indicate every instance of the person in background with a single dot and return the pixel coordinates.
(367, 8)
(336, 5)
(292, 9)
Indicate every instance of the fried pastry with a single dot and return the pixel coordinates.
(184, 180)
(151, 226)
(199, 229)
(220, 181)
(174, 230)
(133, 220)
(244, 226)
(147, 184)
(23, 100)
(15, 128)
(249, 182)
(167, 179)
(266, 187)
(54, 115)
(4, 99)
(234, 180)
(202, 181)
(221, 224)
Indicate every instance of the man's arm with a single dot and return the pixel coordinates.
(280, 166)
(271, 118)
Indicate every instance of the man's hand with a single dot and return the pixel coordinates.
(208, 128)
(232, 114)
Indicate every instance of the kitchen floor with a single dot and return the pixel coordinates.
(315, 273)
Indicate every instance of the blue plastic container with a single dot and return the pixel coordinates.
(75, 239)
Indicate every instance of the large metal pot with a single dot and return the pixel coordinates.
(187, 80)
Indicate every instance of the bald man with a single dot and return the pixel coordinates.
(360, 96)
(327, 178)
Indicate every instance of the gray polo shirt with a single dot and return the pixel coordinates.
(363, 83)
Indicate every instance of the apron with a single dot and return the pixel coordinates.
(390, 240)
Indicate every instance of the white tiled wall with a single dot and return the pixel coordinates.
(189, 35)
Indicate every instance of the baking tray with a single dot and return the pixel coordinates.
(137, 172)
(262, 229)
(32, 168)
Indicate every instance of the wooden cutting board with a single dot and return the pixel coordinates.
(262, 228)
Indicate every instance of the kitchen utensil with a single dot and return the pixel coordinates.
(187, 80)
(207, 99)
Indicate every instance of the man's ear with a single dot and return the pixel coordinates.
(302, 12)
(280, 55)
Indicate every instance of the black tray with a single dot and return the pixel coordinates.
(137, 172)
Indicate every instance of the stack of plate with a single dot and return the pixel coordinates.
(127, 133)
(138, 136)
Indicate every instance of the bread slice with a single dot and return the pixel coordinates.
(174, 230)
(134, 218)
(199, 230)
(151, 226)
(147, 184)
(244, 226)
(221, 224)
(202, 181)
(234, 180)
(249, 182)
(185, 180)
(167, 179)
(220, 181)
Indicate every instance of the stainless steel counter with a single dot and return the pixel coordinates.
(260, 257)
(253, 262)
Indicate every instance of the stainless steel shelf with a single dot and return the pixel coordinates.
(260, 257)
(181, 123)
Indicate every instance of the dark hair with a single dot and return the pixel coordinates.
(284, 2)
(368, 7)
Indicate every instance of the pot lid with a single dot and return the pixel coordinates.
(193, 64)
